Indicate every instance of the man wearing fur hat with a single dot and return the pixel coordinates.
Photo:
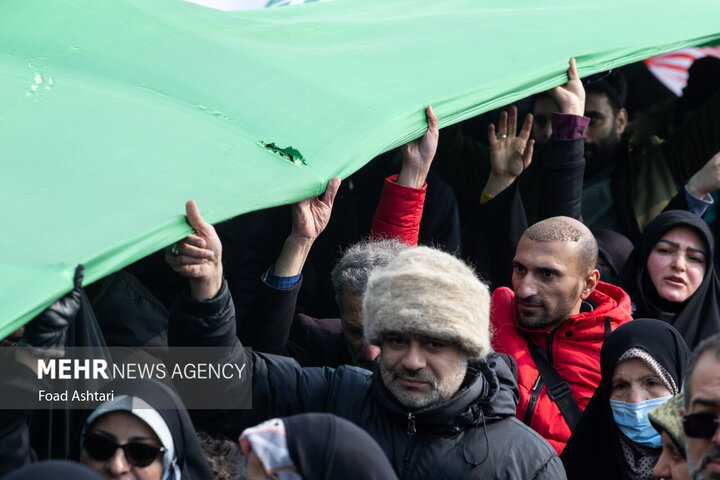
(553, 322)
(440, 403)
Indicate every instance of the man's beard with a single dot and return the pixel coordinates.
(532, 322)
(601, 155)
(438, 392)
(696, 469)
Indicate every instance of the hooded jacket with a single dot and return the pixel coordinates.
(573, 349)
(472, 435)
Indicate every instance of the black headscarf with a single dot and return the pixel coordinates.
(323, 446)
(190, 458)
(616, 249)
(593, 450)
(53, 470)
(699, 316)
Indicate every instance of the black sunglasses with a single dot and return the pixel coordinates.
(700, 425)
(103, 448)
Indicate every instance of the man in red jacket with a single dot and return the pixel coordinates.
(553, 322)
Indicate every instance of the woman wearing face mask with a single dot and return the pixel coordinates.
(670, 275)
(642, 364)
(144, 433)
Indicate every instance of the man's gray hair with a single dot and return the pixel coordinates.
(566, 229)
(352, 270)
(710, 344)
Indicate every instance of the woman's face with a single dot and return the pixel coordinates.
(676, 264)
(122, 428)
(634, 382)
(671, 463)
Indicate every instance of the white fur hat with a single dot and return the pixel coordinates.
(428, 292)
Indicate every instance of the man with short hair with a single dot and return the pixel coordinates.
(440, 403)
(555, 318)
(701, 412)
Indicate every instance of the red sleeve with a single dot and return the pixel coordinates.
(399, 212)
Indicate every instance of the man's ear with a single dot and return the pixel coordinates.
(591, 281)
(621, 121)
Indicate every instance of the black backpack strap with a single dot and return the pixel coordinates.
(558, 388)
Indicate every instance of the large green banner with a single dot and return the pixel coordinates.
(113, 113)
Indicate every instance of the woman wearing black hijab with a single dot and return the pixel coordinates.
(144, 430)
(313, 446)
(642, 364)
(670, 275)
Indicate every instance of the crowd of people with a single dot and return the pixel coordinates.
(539, 304)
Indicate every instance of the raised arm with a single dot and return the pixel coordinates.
(267, 323)
(500, 216)
(205, 316)
(563, 164)
(510, 152)
(198, 257)
(400, 208)
(310, 217)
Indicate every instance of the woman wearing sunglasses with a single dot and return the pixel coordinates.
(642, 364)
(144, 433)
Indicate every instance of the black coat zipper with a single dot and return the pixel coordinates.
(408, 451)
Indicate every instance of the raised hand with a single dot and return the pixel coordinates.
(198, 256)
(510, 152)
(707, 179)
(419, 153)
(570, 97)
(311, 216)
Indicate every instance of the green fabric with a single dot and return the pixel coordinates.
(113, 113)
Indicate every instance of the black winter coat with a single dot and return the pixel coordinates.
(473, 435)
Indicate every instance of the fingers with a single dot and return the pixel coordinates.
(186, 250)
(195, 240)
(492, 139)
(194, 218)
(512, 122)
(527, 154)
(432, 119)
(331, 190)
(572, 71)
(502, 124)
(527, 127)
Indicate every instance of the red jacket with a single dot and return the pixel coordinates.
(399, 212)
(575, 353)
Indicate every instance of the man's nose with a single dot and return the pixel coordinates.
(414, 358)
(526, 288)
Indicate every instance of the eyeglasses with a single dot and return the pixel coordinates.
(103, 448)
(700, 425)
